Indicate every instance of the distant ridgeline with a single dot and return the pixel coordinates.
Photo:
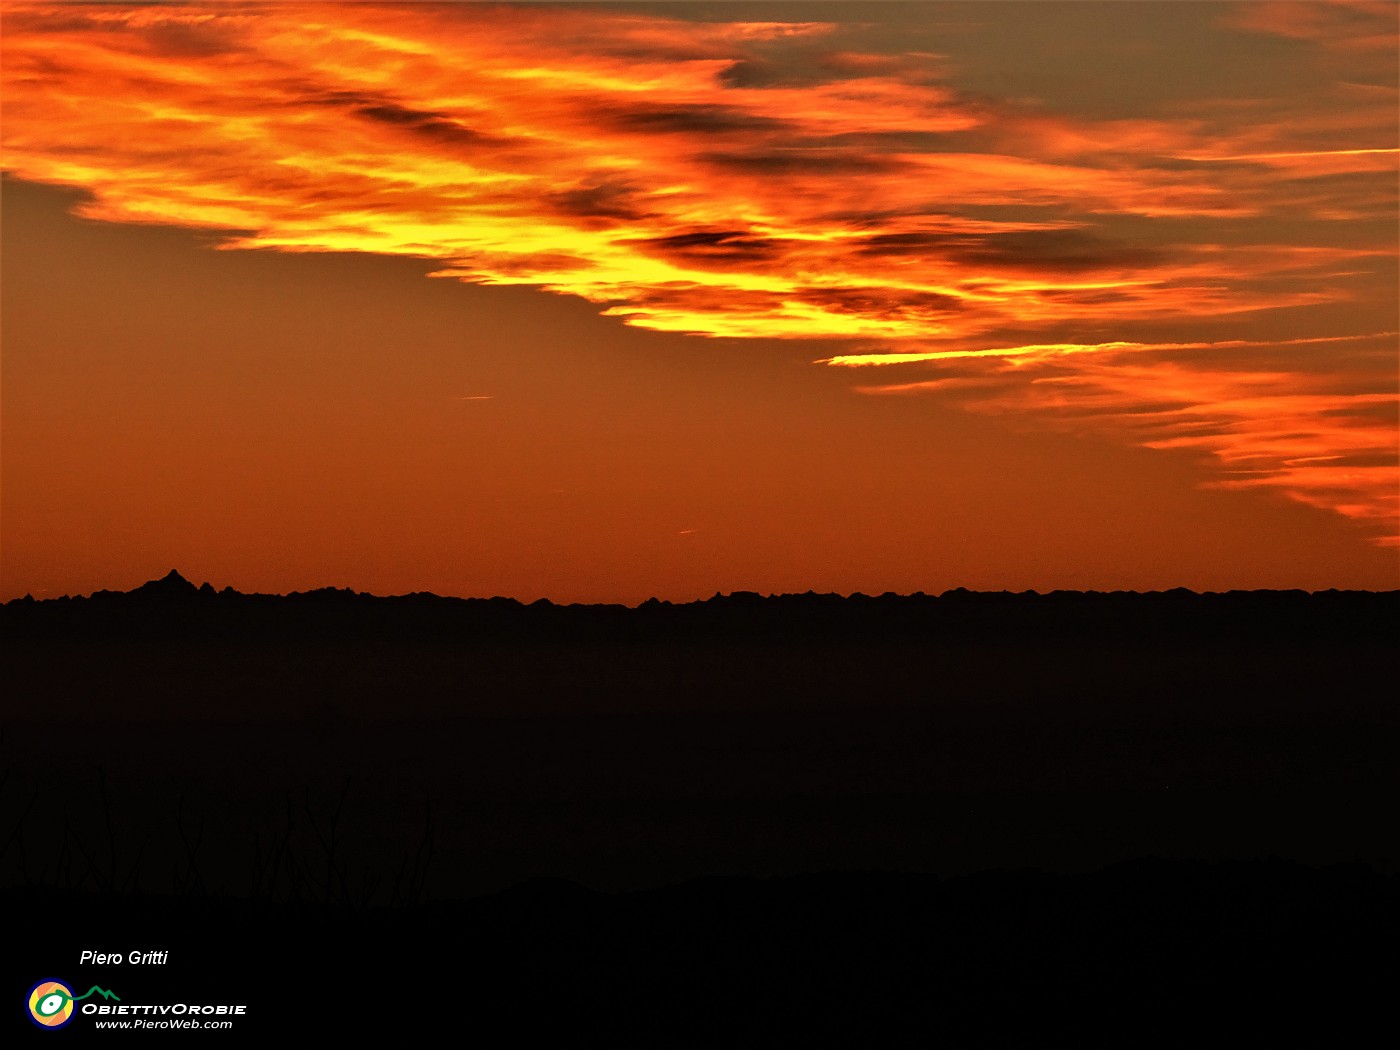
(172, 598)
(173, 603)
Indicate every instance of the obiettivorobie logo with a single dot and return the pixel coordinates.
(51, 1002)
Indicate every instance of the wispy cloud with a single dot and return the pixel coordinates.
(1269, 414)
(1345, 26)
(1040, 350)
(660, 169)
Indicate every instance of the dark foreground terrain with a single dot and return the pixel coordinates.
(1140, 954)
(736, 822)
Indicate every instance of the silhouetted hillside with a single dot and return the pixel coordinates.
(326, 779)
(1061, 658)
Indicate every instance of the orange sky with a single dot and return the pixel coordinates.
(767, 296)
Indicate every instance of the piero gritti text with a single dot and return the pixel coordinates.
(133, 958)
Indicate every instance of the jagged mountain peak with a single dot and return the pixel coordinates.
(171, 585)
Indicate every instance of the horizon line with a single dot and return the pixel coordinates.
(175, 582)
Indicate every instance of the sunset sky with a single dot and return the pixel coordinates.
(599, 302)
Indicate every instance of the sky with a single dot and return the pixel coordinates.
(606, 302)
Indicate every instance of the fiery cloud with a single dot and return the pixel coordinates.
(688, 177)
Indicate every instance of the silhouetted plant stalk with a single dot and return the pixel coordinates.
(16, 836)
(90, 868)
(281, 870)
(191, 882)
(334, 874)
(282, 863)
(416, 885)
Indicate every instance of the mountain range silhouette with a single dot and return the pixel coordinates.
(174, 584)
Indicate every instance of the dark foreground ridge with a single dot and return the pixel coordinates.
(1141, 952)
(355, 810)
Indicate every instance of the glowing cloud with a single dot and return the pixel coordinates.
(1059, 349)
(649, 166)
